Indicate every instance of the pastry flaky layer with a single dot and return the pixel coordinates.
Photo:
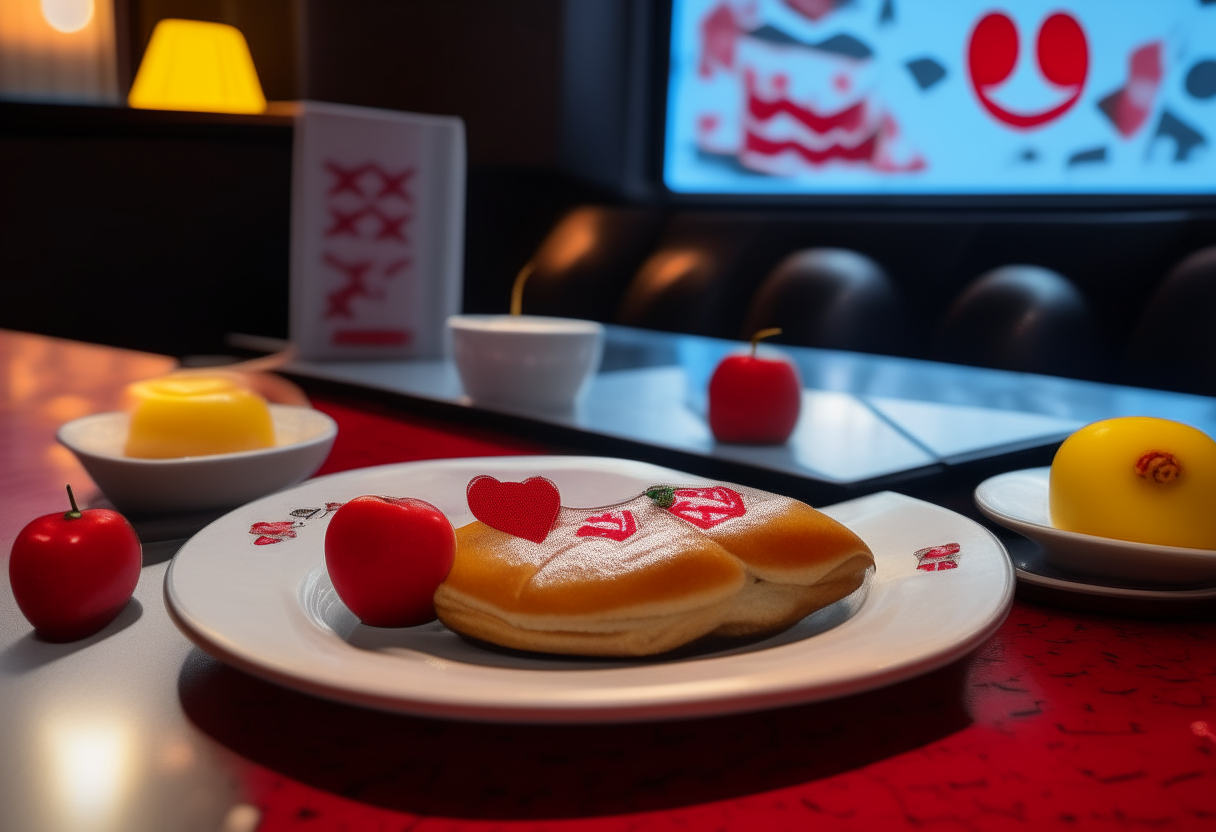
(652, 574)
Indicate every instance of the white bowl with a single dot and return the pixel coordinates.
(1018, 501)
(198, 483)
(526, 361)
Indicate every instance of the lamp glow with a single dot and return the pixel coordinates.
(93, 769)
(67, 15)
(61, 51)
(199, 66)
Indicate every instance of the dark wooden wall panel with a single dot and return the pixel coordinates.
(158, 231)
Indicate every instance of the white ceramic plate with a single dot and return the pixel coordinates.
(198, 483)
(269, 608)
(1018, 501)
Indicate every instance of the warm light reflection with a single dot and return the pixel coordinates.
(37, 369)
(573, 239)
(24, 379)
(92, 770)
(177, 755)
(199, 66)
(59, 50)
(242, 817)
(67, 16)
(63, 461)
(673, 266)
(67, 408)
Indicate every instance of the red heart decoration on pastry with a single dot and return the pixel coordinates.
(525, 509)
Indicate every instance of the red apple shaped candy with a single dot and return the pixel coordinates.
(73, 572)
(754, 400)
(386, 557)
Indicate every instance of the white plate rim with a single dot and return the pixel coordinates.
(733, 684)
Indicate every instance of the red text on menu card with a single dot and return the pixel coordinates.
(367, 250)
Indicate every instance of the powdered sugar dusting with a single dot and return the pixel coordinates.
(566, 555)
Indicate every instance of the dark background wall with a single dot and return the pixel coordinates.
(496, 64)
(151, 230)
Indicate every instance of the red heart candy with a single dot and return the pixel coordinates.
(525, 509)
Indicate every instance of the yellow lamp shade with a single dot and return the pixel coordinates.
(200, 66)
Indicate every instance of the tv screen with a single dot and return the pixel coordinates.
(941, 97)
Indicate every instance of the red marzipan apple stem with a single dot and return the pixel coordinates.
(74, 514)
(762, 334)
(517, 289)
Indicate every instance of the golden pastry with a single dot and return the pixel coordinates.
(651, 574)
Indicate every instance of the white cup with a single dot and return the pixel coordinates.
(525, 361)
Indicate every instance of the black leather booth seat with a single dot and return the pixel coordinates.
(917, 283)
(1174, 345)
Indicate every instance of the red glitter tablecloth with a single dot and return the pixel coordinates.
(1063, 720)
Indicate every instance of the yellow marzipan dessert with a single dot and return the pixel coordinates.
(191, 415)
(1137, 478)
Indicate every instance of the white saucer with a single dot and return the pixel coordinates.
(252, 590)
(1032, 568)
(1018, 500)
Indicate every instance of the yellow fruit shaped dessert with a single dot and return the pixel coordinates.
(1137, 478)
(193, 415)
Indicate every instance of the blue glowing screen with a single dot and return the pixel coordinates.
(942, 97)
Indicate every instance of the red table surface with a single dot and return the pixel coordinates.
(1063, 720)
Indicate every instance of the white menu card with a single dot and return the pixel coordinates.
(377, 231)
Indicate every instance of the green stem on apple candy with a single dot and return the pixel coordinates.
(74, 514)
(762, 334)
(664, 496)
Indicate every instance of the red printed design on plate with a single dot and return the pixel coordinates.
(707, 507)
(269, 532)
(937, 558)
(614, 525)
(273, 532)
